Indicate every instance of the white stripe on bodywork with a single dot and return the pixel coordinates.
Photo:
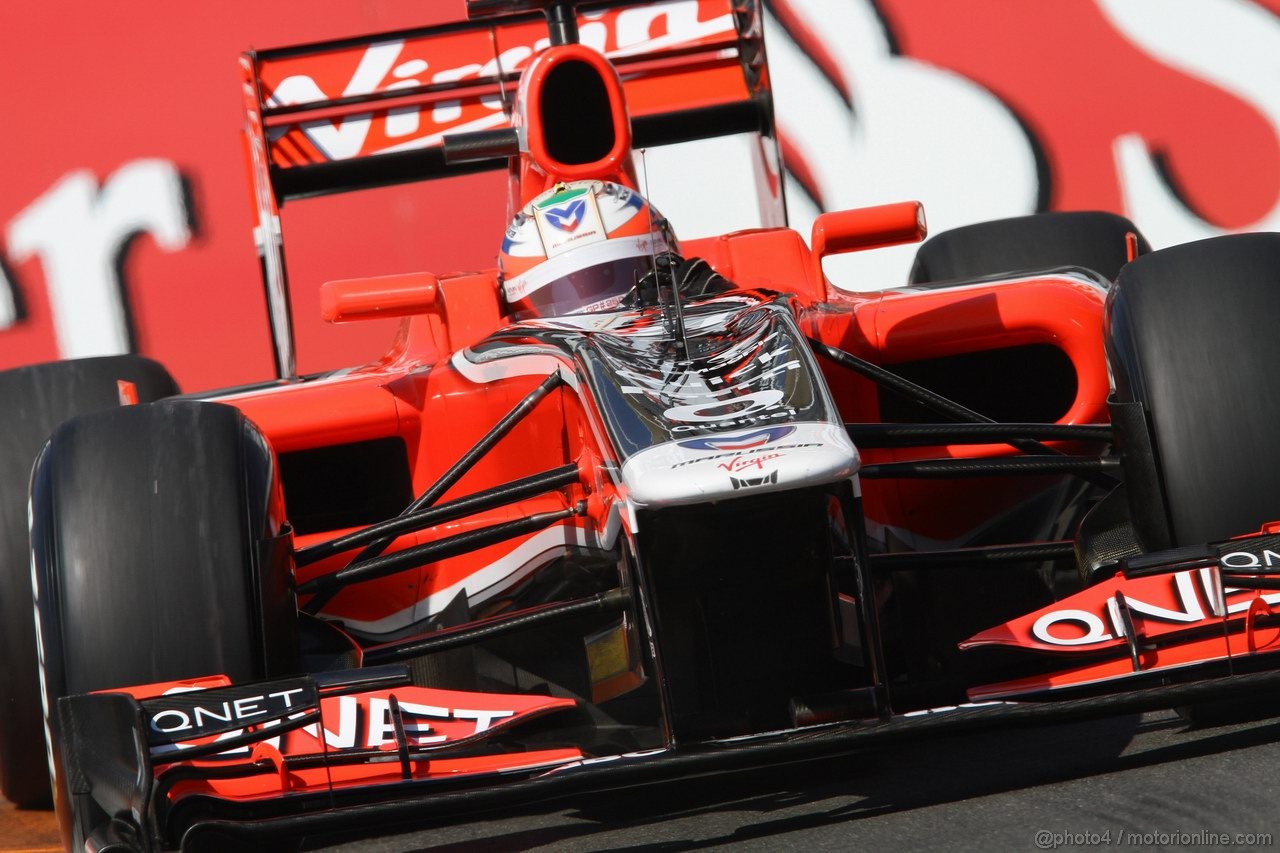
(487, 582)
(535, 361)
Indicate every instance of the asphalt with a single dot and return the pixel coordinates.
(27, 831)
(1130, 783)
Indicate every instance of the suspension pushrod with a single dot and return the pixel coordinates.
(448, 478)
(497, 496)
(936, 402)
(947, 408)
(989, 555)
(468, 459)
(484, 629)
(430, 552)
(927, 435)
(1005, 466)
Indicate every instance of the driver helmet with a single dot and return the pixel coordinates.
(580, 246)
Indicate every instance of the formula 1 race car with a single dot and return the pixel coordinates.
(626, 507)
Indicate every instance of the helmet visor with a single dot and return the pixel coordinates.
(596, 288)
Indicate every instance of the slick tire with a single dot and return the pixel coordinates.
(156, 557)
(1189, 337)
(33, 401)
(1089, 239)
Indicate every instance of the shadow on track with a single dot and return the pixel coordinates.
(811, 800)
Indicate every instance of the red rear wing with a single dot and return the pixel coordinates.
(368, 112)
(372, 111)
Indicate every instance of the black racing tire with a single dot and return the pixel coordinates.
(33, 401)
(1089, 239)
(152, 540)
(1188, 338)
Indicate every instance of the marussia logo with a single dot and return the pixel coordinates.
(569, 217)
(741, 441)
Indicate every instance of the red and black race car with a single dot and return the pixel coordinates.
(626, 506)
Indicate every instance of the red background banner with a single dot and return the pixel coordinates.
(125, 220)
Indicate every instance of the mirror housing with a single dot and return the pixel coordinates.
(379, 297)
(842, 231)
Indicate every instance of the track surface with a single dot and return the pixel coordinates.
(975, 792)
(989, 791)
(27, 831)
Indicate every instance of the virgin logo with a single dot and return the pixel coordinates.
(743, 463)
(409, 64)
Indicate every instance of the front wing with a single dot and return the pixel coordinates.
(117, 766)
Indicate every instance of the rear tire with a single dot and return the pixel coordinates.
(35, 400)
(152, 548)
(1187, 338)
(1088, 239)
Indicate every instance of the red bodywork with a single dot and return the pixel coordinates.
(415, 389)
(309, 109)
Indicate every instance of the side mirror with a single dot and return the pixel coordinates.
(867, 228)
(379, 297)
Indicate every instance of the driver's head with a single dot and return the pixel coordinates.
(581, 246)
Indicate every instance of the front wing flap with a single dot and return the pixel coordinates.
(1161, 614)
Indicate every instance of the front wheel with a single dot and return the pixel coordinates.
(1189, 339)
(152, 531)
(1194, 357)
